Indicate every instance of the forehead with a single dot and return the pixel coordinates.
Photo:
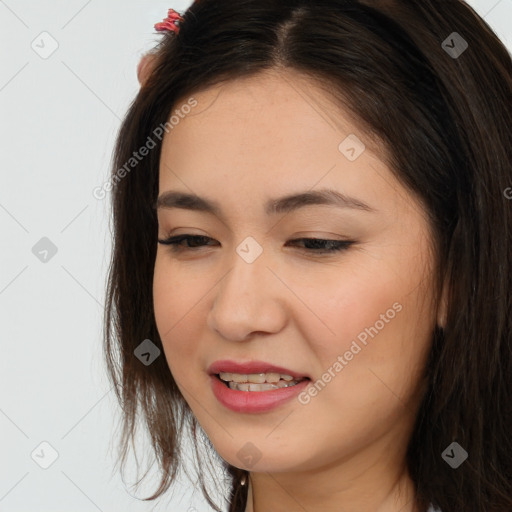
(280, 104)
(271, 113)
(266, 136)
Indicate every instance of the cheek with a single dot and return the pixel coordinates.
(164, 299)
(176, 292)
(369, 368)
(177, 304)
(373, 317)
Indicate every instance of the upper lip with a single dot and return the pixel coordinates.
(248, 367)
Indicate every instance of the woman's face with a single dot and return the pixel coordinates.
(357, 321)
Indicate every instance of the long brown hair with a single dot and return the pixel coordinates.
(445, 119)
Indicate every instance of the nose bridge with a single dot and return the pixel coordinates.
(248, 268)
(245, 300)
(245, 281)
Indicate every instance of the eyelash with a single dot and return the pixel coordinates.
(336, 245)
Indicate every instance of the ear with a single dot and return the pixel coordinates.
(145, 67)
(443, 306)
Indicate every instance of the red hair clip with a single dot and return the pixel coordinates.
(170, 22)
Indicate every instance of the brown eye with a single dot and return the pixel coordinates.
(193, 241)
(321, 246)
(312, 245)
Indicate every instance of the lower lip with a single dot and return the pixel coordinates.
(254, 401)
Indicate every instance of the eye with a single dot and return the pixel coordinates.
(176, 241)
(319, 245)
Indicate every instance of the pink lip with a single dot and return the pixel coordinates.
(227, 366)
(253, 401)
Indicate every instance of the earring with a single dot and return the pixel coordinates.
(243, 480)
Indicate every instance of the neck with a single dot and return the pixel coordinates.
(380, 483)
(397, 497)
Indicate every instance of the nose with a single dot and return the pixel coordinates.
(248, 300)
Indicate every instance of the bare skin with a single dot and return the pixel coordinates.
(244, 143)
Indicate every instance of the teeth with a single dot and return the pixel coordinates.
(256, 378)
(259, 381)
(249, 386)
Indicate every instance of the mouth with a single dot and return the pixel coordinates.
(255, 382)
(252, 387)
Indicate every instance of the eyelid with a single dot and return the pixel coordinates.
(336, 245)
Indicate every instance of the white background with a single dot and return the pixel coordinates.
(59, 118)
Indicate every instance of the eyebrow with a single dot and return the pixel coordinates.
(329, 197)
